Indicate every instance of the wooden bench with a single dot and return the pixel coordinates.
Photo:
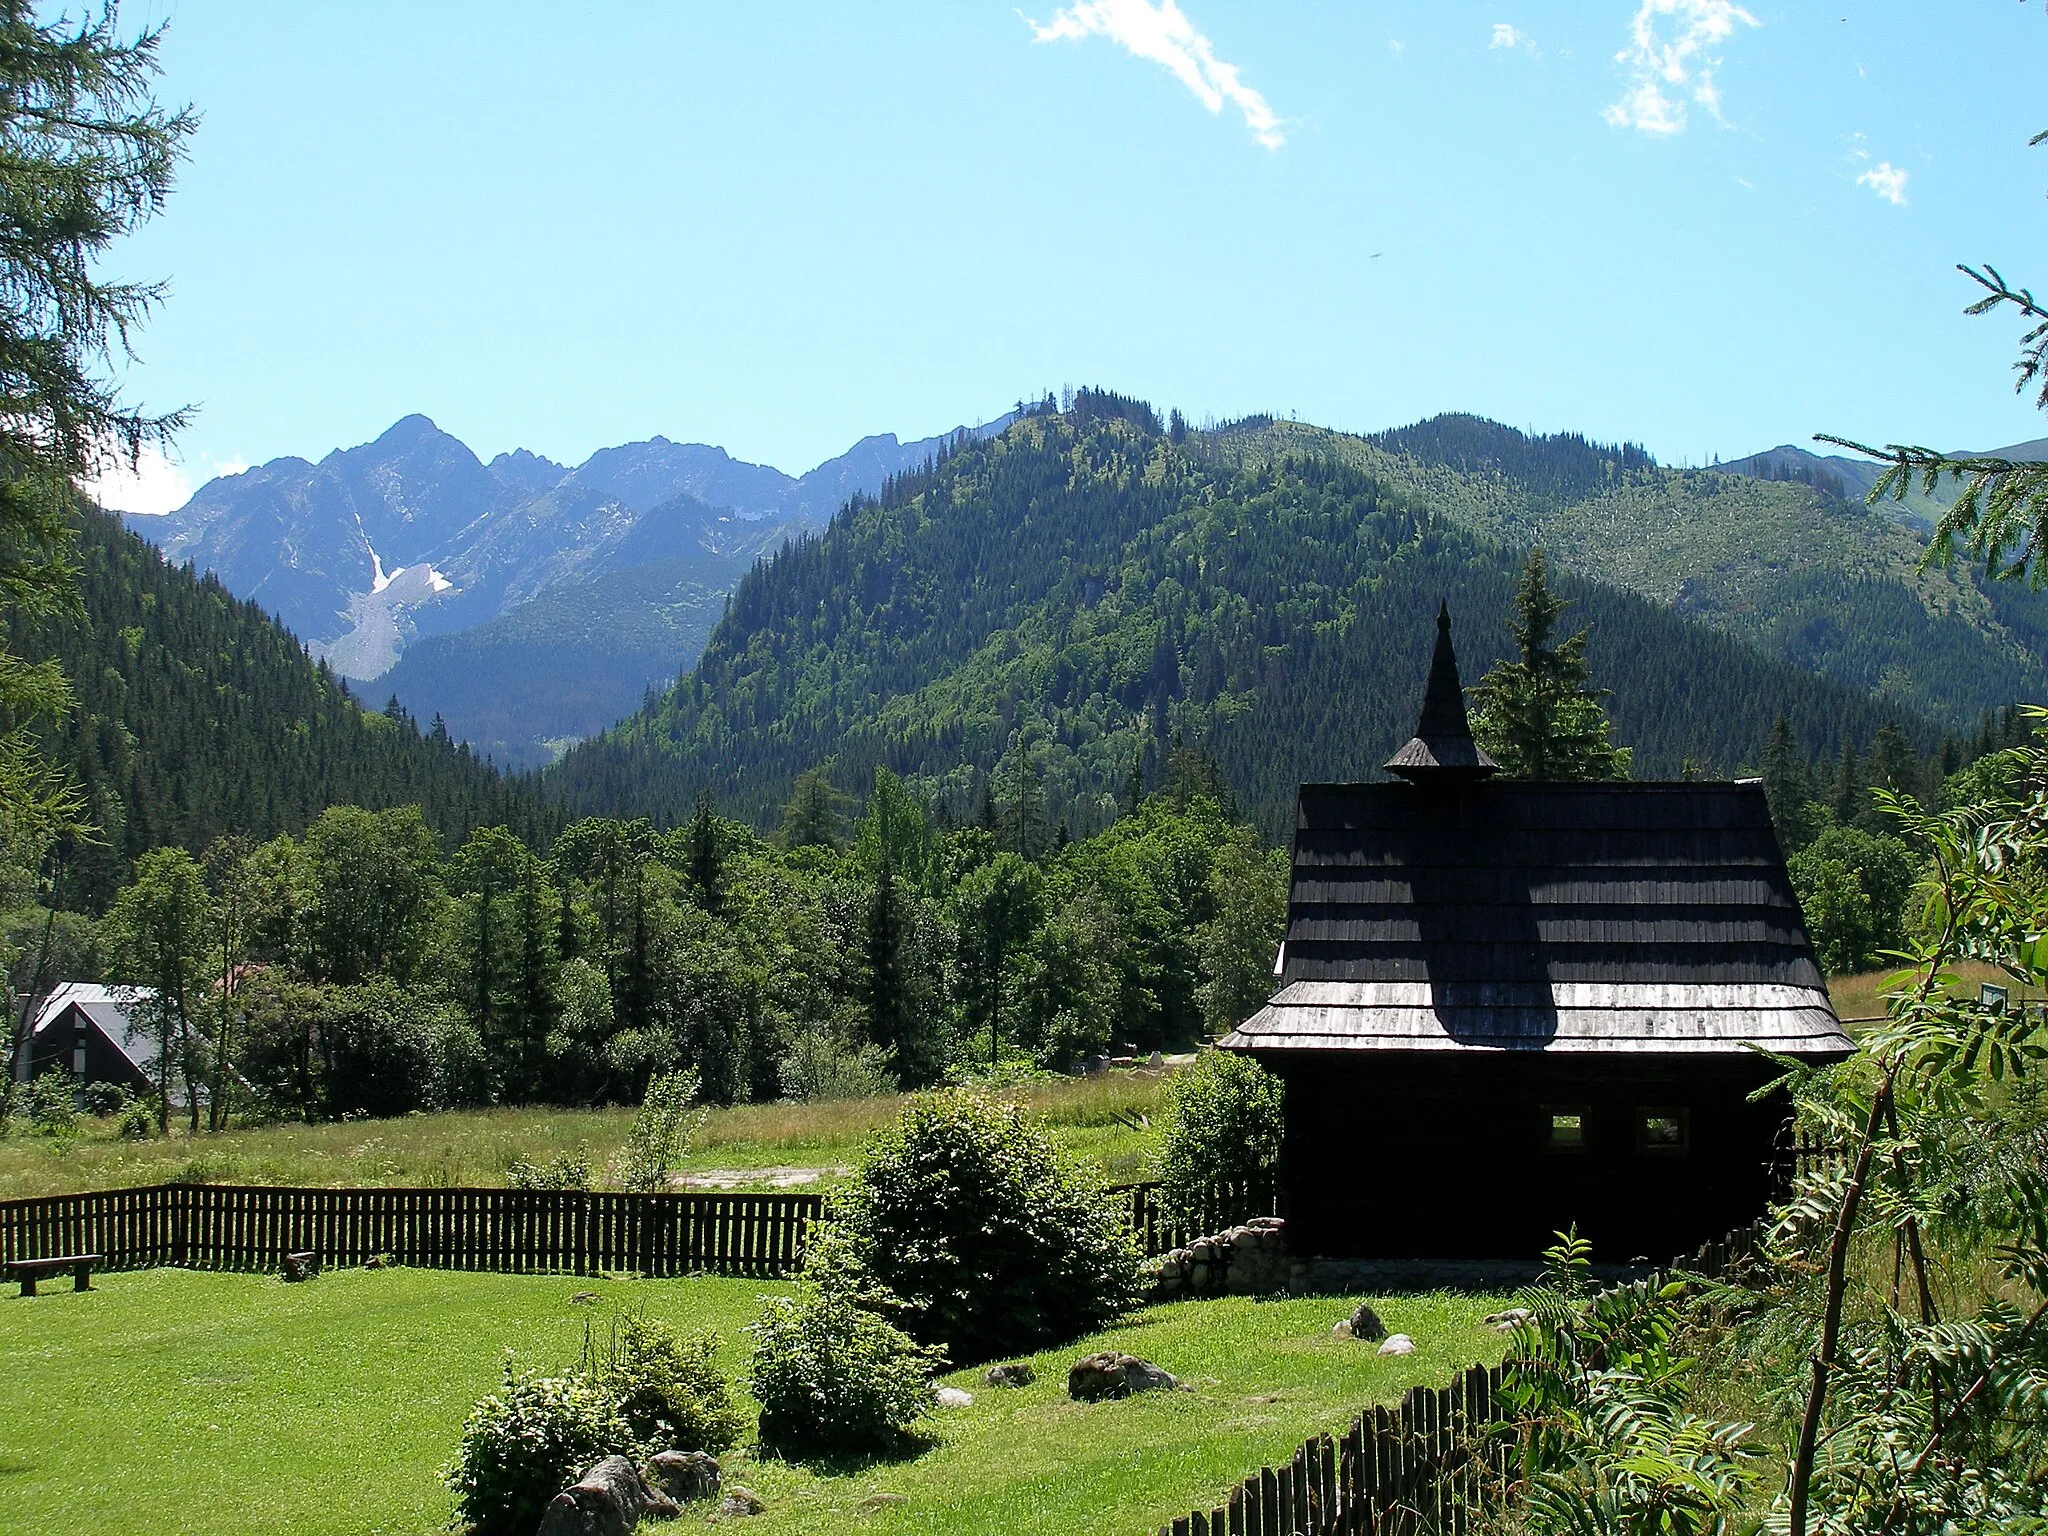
(29, 1271)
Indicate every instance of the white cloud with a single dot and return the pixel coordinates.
(154, 485)
(1395, 45)
(1504, 36)
(1157, 30)
(1671, 58)
(1887, 181)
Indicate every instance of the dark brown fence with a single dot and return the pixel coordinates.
(1438, 1464)
(1160, 1230)
(232, 1226)
(225, 1226)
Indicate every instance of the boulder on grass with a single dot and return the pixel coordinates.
(952, 1397)
(1398, 1344)
(1109, 1374)
(610, 1500)
(685, 1476)
(1016, 1374)
(1366, 1324)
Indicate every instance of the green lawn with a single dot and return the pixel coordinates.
(1097, 1118)
(168, 1402)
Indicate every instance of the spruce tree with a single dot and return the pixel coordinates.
(1786, 787)
(705, 856)
(1537, 717)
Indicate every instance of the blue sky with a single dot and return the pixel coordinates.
(780, 227)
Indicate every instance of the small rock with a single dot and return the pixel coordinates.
(1398, 1344)
(1366, 1324)
(1017, 1374)
(376, 1261)
(952, 1397)
(1109, 1374)
(584, 1299)
(609, 1500)
(740, 1501)
(685, 1476)
(874, 1503)
(298, 1267)
(1508, 1321)
(1342, 1330)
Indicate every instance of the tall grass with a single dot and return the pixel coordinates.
(1101, 1119)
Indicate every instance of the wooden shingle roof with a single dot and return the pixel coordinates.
(1496, 915)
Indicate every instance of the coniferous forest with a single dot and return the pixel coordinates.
(1067, 600)
(197, 714)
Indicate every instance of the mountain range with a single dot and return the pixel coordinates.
(530, 605)
(1059, 604)
(377, 552)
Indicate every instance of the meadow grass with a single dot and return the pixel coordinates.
(1862, 996)
(1092, 1117)
(171, 1401)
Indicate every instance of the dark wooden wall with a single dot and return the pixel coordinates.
(1441, 1155)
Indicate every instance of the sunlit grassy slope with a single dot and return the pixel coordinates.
(173, 1403)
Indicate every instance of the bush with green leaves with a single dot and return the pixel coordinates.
(665, 1388)
(48, 1104)
(835, 1379)
(1224, 1117)
(966, 1225)
(137, 1121)
(525, 1443)
(1599, 1401)
(661, 1131)
(565, 1170)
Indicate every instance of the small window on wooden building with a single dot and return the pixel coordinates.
(1662, 1132)
(1564, 1128)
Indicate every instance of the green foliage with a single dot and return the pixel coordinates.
(89, 157)
(48, 1104)
(664, 1386)
(1853, 889)
(821, 1067)
(525, 1443)
(661, 1131)
(964, 1223)
(1224, 1119)
(1536, 716)
(834, 1379)
(160, 932)
(565, 1170)
(1607, 1441)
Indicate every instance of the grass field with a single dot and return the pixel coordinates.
(1861, 996)
(170, 1402)
(1091, 1116)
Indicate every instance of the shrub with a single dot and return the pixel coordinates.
(661, 1131)
(964, 1223)
(1223, 1125)
(820, 1067)
(524, 1444)
(49, 1103)
(665, 1388)
(833, 1378)
(102, 1099)
(565, 1170)
(137, 1122)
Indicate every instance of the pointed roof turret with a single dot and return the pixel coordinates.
(1442, 747)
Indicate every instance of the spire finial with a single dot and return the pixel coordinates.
(1442, 747)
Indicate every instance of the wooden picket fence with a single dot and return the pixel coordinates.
(517, 1231)
(1160, 1230)
(229, 1226)
(1438, 1465)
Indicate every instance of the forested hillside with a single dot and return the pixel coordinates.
(198, 715)
(1829, 585)
(1040, 611)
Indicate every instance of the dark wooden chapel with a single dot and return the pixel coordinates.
(1505, 1007)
